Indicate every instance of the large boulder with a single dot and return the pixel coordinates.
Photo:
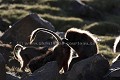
(78, 9)
(114, 73)
(2, 68)
(21, 30)
(48, 72)
(93, 68)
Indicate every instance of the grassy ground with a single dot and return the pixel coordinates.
(106, 30)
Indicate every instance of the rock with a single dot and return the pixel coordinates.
(93, 68)
(61, 34)
(79, 9)
(21, 30)
(11, 77)
(5, 50)
(114, 73)
(48, 72)
(2, 68)
(4, 25)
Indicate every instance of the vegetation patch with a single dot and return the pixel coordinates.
(13, 16)
(103, 28)
(104, 5)
(63, 23)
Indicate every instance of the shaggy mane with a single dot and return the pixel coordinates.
(75, 30)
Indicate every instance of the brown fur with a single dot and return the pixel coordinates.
(60, 53)
(39, 61)
(27, 53)
(83, 42)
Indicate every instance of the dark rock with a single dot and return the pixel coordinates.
(48, 72)
(2, 68)
(93, 68)
(114, 73)
(21, 30)
(11, 77)
(5, 50)
(4, 25)
(61, 34)
(79, 9)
